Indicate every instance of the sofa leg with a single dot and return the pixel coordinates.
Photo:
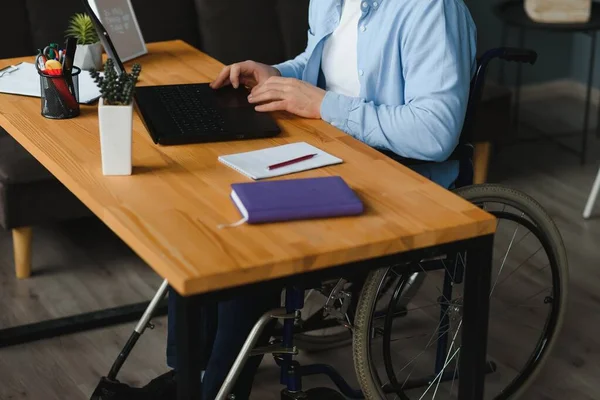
(22, 249)
(481, 161)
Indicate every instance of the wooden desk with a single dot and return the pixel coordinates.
(169, 209)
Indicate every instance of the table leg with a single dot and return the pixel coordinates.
(475, 319)
(517, 103)
(190, 344)
(588, 98)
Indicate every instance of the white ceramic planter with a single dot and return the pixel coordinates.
(116, 125)
(89, 56)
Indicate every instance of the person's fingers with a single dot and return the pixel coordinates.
(275, 80)
(262, 88)
(225, 83)
(281, 80)
(273, 106)
(269, 95)
(234, 75)
(222, 79)
(248, 81)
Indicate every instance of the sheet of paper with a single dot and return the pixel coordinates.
(25, 81)
(255, 164)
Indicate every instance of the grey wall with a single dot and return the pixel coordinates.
(554, 50)
(581, 57)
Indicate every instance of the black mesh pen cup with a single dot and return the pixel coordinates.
(60, 94)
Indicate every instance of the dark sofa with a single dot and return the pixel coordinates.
(269, 31)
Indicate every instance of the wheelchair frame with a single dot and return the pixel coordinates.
(291, 371)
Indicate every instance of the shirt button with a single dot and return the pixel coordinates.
(361, 72)
(363, 28)
(375, 4)
(365, 4)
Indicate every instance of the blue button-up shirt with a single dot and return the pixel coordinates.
(415, 63)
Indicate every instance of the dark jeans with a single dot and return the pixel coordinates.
(228, 323)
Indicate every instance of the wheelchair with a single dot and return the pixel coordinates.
(421, 305)
(403, 321)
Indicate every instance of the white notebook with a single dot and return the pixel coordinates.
(24, 80)
(255, 164)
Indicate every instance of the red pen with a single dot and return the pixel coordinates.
(292, 161)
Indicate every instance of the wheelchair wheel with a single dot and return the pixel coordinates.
(415, 354)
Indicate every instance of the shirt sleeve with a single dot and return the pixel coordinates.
(295, 67)
(438, 59)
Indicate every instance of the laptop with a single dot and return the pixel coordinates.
(192, 113)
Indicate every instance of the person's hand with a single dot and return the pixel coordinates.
(289, 94)
(248, 73)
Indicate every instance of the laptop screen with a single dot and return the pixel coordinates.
(104, 37)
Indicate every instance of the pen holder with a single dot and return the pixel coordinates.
(60, 94)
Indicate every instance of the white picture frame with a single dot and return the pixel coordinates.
(120, 21)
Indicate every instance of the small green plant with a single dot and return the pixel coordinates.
(82, 28)
(117, 89)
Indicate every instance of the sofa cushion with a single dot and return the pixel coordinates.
(17, 165)
(29, 194)
(48, 24)
(233, 30)
(157, 21)
(293, 23)
(14, 30)
(38, 203)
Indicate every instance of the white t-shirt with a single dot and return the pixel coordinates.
(339, 63)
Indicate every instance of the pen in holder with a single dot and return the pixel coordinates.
(59, 93)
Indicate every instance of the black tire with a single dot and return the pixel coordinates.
(477, 194)
(323, 393)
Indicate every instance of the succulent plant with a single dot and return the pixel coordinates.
(82, 28)
(116, 89)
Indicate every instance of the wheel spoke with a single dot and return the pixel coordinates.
(446, 361)
(455, 372)
(520, 265)
(439, 375)
(430, 343)
(505, 257)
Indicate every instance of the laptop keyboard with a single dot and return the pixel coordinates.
(190, 114)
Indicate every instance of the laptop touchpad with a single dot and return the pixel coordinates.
(228, 97)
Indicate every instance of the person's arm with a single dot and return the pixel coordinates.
(295, 67)
(437, 60)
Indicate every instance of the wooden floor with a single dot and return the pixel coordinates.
(80, 266)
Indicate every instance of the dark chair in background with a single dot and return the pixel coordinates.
(269, 31)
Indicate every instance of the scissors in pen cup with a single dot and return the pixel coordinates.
(48, 65)
(51, 52)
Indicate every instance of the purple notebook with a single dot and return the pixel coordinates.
(292, 199)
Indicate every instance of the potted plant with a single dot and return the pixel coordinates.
(115, 114)
(89, 49)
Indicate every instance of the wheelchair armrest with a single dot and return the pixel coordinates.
(518, 55)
